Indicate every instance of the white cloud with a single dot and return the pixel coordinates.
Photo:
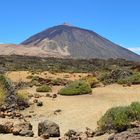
(135, 49)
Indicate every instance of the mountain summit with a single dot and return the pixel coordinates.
(73, 42)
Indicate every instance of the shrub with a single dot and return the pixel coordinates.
(135, 78)
(92, 81)
(114, 76)
(119, 118)
(6, 88)
(55, 82)
(34, 83)
(114, 119)
(2, 95)
(58, 81)
(35, 78)
(29, 77)
(134, 111)
(43, 88)
(105, 79)
(124, 81)
(3, 82)
(32, 77)
(22, 96)
(76, 88)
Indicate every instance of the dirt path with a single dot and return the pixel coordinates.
(79, 112)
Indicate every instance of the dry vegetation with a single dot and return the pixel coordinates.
(116, 86)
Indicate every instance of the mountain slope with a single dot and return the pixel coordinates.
(14, 49)
(74, 42)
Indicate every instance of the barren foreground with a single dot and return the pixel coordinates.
(78, 112)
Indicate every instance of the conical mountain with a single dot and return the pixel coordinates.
(73, 42)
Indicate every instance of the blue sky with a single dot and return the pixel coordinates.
(117, 20)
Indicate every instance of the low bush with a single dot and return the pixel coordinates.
(2, 95)
(35, 78)
(34, 83)
(92, 81)
(76, 88)
(119, 118)
(55, 82)
(133, 79)
(134, 111)
(43, 88)
(117, 75)
(22, 96)
(58, 82)
(105, 79)
(126, 81)
(29, 77)
(6, 88)
(3, 81)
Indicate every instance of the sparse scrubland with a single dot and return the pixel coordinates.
(38, 64)
(110, 107)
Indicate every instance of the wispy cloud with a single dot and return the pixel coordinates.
(134, 49)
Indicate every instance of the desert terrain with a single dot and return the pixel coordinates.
(77, 112)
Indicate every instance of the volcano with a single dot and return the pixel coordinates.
(74, 42)
(66, 41)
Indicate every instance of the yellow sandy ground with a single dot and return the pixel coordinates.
(79, 112)
(17, 76)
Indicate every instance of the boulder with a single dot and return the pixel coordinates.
(37, 95)
(31, 111)
(26, 133)
(90, 133)
(6, 127)
(28, 116)
(74, 135)
(47, 127)
(39, 103)
(131, 134)
(54, 96)
(99, 133)
(83, 136)
(23, 129)
(35, 100)
(30, 95)
(57, 111)
(2, 115)
(48, 95)
(70, 133)
(45, 136)
(22, 104)
(3, 108)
